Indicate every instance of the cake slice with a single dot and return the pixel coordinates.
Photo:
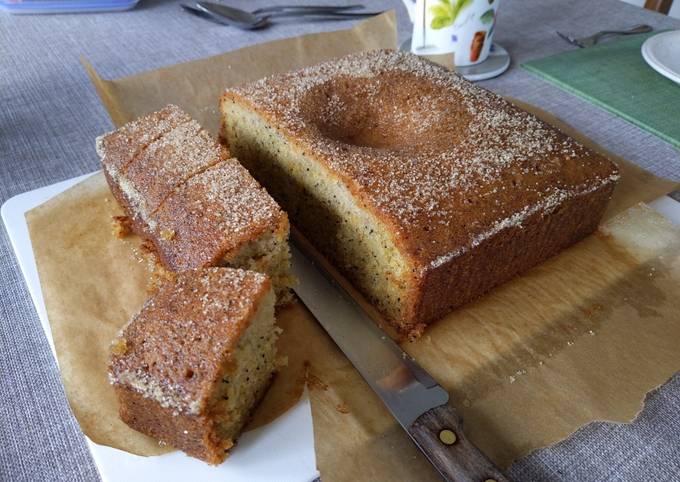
(197, 207)
(223, 217)
(422, 188)
(124, 157)
(123, 145)
(192, 365)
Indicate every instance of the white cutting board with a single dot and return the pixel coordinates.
(283, 450)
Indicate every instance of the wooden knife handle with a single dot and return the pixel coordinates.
(439, 434)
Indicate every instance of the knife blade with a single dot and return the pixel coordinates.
(412, 396)
(668, 206)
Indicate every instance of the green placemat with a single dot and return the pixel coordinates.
(615, 77)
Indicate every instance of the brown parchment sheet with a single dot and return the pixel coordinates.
(582, 337)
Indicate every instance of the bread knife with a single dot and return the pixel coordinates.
(414, 398)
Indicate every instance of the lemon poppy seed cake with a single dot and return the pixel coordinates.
(197, 206)
(423, 189)
(192, 365)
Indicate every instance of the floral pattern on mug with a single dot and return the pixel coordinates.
(462, 27)
(446, 12)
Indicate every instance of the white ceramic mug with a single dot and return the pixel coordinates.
(462, 27)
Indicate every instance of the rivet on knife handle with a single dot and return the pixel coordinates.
(439, 434)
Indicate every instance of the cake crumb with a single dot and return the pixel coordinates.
(342, 408)
(122, 226)
(168, 234)
(119, 346)
(314, 382)
(282, 361)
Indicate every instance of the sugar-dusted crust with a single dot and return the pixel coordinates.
(171, 160)
(446, 167)
(206, 309)
(182, 192)
(509, 252)
(214, 213)
(120, 147)
(166, 362)
(146, 159)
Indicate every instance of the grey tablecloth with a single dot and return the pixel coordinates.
(50, 114)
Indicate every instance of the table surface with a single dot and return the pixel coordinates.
(50, 115)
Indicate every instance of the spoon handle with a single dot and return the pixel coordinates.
(322, 13)
(304, 8)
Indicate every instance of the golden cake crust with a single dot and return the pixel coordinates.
(442, 162)
(455, 174)
(182, 192)
(166, 362)
(206, 309)
(172, 159)
(123, 145)
(222, 199)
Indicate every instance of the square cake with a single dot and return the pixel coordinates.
(192, 365)
(423, 189)
(197, 206)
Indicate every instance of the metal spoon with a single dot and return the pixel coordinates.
(204, 13)
(250, 20)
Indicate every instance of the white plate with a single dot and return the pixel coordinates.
(662, 53)
(282, 450)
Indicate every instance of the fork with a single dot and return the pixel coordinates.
(593, 39)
